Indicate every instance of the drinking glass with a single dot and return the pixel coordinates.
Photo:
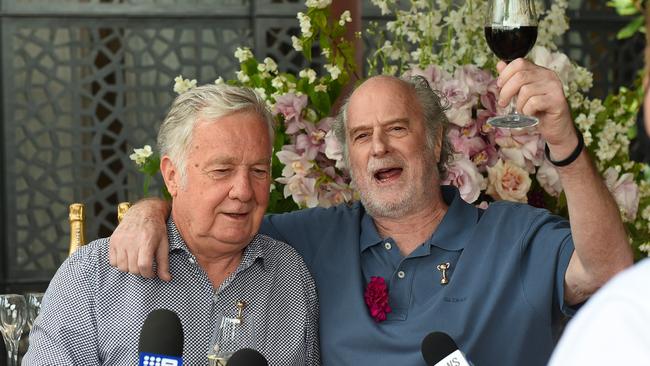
(511, 31)
(232, 334)
(34, 300)
(12, 319)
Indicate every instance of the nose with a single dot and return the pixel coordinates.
(379, 143)
(241, 189)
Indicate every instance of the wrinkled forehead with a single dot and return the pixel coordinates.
(381, 99)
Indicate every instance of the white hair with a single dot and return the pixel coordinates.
(208, 102)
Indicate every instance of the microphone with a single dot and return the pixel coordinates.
(438, 349)
(247, 357)
(161, 339)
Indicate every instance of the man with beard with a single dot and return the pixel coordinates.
(498, 281)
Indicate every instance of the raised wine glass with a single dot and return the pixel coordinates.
(12, 320)
(511, 31)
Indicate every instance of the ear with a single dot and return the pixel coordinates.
(170, 175)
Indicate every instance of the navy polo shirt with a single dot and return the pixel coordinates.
(502, 305)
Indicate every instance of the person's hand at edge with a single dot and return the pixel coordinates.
(141, 237)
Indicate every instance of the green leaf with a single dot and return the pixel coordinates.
(631, 28)
(306, 48)
(319, 19)
(321, 101)
(632, 132)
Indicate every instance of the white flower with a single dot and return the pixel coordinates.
(325, 52)
(243, 54)
(219, 81)
(309, 74)
(297, 44)
(321, 88)
(305, 24)
(383, 5)
(182, 85)
(270, 64)
(278, 82)
(345, 18)
(241, 76)
(333, 70)
(140, 155)
(319, 4)
(261, 92)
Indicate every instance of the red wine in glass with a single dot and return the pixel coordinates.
(511, 32)
(510, 43)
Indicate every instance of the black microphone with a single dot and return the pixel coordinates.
(247, 357)
(438, 349)
(161, 339)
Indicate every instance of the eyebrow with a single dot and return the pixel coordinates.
(233, 161)
(382, 123)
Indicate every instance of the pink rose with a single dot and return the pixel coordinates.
(625, 192)
(463, 174)
(376, 298)
(507, 181)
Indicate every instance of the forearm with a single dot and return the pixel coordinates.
(152, 208)
(600, 239)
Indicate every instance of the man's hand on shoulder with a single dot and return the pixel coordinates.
(141, 237)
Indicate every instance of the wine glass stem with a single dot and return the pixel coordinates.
(512, 106)
(12, 352)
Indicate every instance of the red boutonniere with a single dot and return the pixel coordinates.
(376, 296)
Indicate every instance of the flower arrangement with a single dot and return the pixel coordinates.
(443, 42)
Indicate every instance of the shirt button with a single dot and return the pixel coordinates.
(387, 245)
(191, 260)
(401, 274)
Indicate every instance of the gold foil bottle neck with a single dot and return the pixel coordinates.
(122, 207)
(77, 237)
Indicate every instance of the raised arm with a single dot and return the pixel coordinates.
(141, 237)
(599, 237)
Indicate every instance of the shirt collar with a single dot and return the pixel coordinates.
(451, 234)
(254, 250)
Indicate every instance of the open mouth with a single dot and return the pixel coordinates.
(387, 174)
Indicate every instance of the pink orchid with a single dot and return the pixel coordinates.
(313, 140)
(625, 192)
(294, 163)
(549, 179)
(476, 79)
(463, 174)
(302, 189)
(291, 106)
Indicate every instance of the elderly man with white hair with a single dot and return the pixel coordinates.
(215, 146)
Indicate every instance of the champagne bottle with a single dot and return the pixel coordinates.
(122, 207)
(76, 217)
